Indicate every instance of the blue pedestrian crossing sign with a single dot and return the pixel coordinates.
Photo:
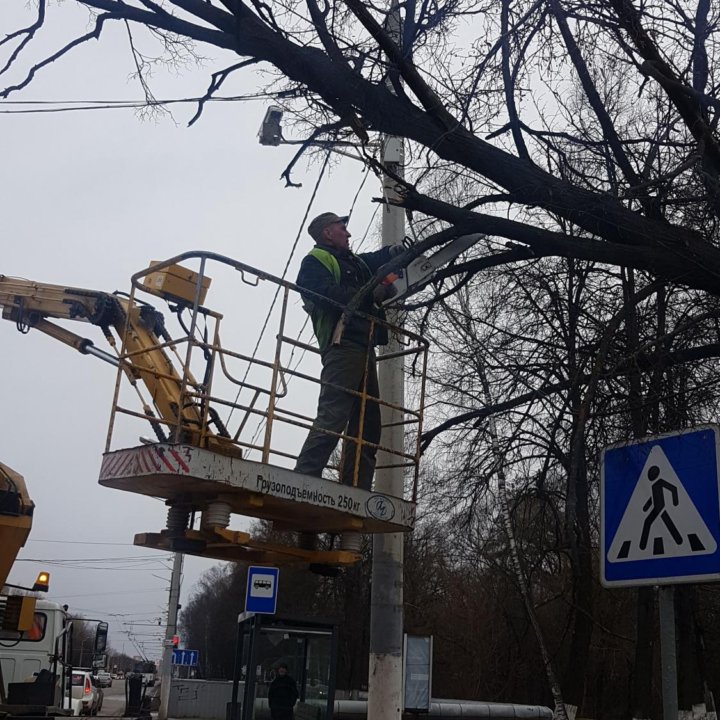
(261, 592)
(660, 509)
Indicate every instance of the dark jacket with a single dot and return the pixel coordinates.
(283, 693)
(355, 271)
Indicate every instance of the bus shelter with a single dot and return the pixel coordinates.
(307, 647)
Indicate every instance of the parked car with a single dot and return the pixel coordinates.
(87, 697)
(103, 679)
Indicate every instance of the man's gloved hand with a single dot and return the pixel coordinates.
(396, 250)
(390, 291)
(381, 293)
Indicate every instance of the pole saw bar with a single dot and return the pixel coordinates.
(420, 271)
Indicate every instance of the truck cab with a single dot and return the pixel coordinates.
(24, 654)
(36, 664)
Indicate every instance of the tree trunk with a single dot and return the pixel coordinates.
(577, 516)
(582, 627)
(645, 617)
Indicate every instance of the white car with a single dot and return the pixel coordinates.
(87, 697)
(103, 679)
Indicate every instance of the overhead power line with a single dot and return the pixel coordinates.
(80, 542)
(22, 107)
(132, 558)
(152, 613)
(116, 592)
(311, 201)
(261, 422)
(84, 564)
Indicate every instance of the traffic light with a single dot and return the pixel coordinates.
(175, 641)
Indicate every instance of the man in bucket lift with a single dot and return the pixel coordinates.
(332, 270)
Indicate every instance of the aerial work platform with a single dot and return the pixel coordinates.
(227, 423)
(254, 489)
(194, 479)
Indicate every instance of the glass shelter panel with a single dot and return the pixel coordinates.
(309, 652)
(317, 670)
(276, 647)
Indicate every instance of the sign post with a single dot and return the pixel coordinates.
(668, 659)
(660, 524)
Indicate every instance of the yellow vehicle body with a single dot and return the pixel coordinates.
(16, 511)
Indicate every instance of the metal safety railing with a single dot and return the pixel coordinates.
(193, 388)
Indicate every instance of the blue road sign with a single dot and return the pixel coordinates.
(660, 509)
(261, 593)
(185, 657)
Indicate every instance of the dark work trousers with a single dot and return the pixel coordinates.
(281, 714)
(344, 365)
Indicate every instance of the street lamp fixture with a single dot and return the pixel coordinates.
(270, 133)
(270, 130)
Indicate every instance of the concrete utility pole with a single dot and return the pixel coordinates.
(170, 630)
(385, 690)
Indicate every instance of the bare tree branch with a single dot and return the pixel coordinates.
(28, 32)
(216, 81)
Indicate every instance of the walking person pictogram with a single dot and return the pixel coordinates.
(656, 505)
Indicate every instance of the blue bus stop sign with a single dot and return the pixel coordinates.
(261, 592)
(660, 509)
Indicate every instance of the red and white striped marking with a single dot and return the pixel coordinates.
(144, 461)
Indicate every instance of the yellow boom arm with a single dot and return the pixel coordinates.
(140, 327)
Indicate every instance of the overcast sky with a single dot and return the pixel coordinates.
(86, 199)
